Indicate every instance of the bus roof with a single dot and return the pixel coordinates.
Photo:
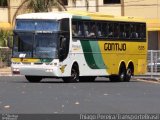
(47, 15)
(78, 15)
(101, 16)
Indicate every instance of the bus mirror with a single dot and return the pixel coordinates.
(10, 42)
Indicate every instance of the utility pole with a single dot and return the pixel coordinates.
(9, 11)
(122, 8)
(97, 6)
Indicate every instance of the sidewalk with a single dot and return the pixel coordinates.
(5, 71)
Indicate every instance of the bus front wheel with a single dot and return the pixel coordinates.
(34, 79)
(74, 75)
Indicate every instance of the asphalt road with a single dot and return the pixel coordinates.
(54, 96)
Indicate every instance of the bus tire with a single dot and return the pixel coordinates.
(121, 77)
(122, 73)
(34, 79)
(87, 79)
(74, 75)
(128, 75)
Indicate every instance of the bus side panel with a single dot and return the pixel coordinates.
(113, 53)
(87, 55)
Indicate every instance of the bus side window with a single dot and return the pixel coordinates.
(134, 33)
(122, 31)
(99, 30)
(127, 31)
(137, 31)
(111, 30)
(105, 29)
(80, 29)
(142, 31)
(86, 29)
(92, 30)
(74, 29)
(116, 30)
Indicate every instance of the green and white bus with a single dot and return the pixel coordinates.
(78, 46)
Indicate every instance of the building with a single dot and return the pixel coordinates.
(147, 9)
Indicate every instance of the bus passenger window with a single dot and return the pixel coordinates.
(100, 32)
(135, 32)
(105, 30)
(79, 34)
(92, 30)
(127, 31)
(142, 31)
(110, 34)
(86, 31)
(77, 29)
(74, 30)
(122, 31)
(116, 30)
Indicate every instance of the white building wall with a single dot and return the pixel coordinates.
(3, 14)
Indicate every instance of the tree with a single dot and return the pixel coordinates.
(3, 37)
(39, 6)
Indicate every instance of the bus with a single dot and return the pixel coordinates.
(78, 46)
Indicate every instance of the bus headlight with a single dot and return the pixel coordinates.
(55, 64)
(49, 70)
(16, 69)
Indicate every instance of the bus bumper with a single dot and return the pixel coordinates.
(45, 70)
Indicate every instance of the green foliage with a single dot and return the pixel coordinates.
(38, 6)
(5, 57)
(4, 34)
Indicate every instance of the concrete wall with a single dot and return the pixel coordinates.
(142, 8)
(13, 7)
(96, 6)
(3, 14)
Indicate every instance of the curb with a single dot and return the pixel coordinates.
(6, 74)
(154, 79)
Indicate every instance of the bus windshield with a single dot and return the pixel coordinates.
(39, 45)
(37, 25)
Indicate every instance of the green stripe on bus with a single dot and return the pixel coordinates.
(92, 54)
(97, 54)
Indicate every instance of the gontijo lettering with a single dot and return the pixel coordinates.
(115, 46)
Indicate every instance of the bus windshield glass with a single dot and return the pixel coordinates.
(39, 45)
(37, 25)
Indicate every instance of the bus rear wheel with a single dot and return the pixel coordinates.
(122, 73)
(74, 75)
(128, 75)
(121, 77)
(34, 79)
